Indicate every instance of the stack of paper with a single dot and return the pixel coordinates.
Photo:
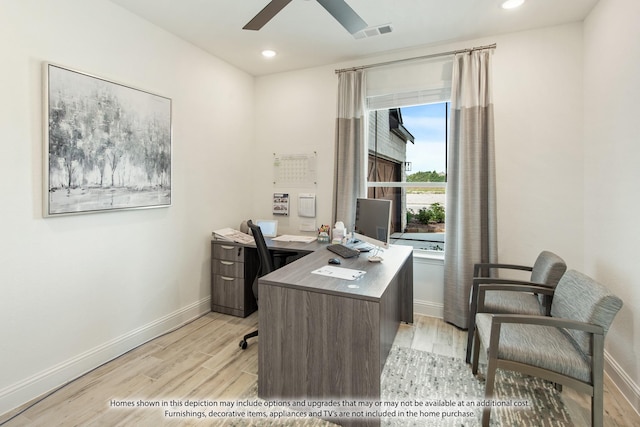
(339, 272)
(233, 236)
(291, 238)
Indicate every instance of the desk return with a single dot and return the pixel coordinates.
(233, 268)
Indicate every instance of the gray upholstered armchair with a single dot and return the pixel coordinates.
(546, 271)
(566, 347)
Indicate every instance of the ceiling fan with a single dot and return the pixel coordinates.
(339, 9)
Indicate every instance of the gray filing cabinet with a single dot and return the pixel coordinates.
(233, 269)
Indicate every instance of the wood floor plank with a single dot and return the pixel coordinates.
(96, 387)
(187, 329)
(240, 387)
(198, 339)
(404, 337)
(425, 333)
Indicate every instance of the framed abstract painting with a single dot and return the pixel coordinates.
(108, 146)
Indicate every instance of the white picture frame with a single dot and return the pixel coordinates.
(107, 145)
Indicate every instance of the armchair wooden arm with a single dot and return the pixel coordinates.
(558, 322)
(487, 266)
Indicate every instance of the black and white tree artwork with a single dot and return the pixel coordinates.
(108, 145)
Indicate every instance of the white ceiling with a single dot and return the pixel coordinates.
(305, 35)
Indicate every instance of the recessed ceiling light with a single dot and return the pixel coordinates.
(512, 4)
(268, 53)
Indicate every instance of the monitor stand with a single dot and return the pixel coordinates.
(375, 254)
(360, 245)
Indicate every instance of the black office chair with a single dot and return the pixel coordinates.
(266, 267)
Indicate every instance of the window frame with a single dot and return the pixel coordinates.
(439, 254)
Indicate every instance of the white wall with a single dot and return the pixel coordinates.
(428, 286)
(612, 174)
(78, 290)
(294, 114)
(538, 128)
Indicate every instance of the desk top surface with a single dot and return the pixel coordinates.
(279, 245)
(294, 246)
(370, 286)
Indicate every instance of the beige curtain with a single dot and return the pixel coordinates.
(471, 195)
(351, 162)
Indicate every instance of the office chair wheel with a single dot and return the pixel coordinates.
(243, 344)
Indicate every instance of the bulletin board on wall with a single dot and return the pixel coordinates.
(295, 170)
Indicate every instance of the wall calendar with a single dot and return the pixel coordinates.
(294, 170)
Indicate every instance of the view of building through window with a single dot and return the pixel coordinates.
(408, 165)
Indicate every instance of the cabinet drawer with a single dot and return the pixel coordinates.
(228, 291)
(228, 252)
(228, 268)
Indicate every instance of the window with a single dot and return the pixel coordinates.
(408, 165)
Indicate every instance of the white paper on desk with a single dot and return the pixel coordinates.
(232, 235)
(290, 238)
(339, 272)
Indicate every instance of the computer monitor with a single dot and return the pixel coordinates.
(269, 227)
(373, 221)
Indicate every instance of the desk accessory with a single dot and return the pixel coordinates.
(339, 272)
(323, 234)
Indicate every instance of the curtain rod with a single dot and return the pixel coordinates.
(416, 58)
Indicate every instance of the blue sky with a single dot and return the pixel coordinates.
(427, 124)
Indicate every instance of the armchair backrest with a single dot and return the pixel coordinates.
(548, 269)
(579, 297)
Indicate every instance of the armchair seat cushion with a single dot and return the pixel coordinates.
(542, 346)
(505, 302)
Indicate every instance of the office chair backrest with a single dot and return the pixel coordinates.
(266, 262)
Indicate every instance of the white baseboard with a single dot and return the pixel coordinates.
(43, 382)
(629, 389)
(428, 308)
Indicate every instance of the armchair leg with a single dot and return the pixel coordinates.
(470, 333)
(597, 372)
(489, 386)
(597, 409)
(473, 308)
(476, 353)
(597, 401)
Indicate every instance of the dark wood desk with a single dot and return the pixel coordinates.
(327, 338)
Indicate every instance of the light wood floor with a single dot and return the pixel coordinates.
(203, 360)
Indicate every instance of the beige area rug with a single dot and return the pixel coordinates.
(426, 389)
(431, 378)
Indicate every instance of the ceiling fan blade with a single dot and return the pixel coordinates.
(265, 15)
(343, 13)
